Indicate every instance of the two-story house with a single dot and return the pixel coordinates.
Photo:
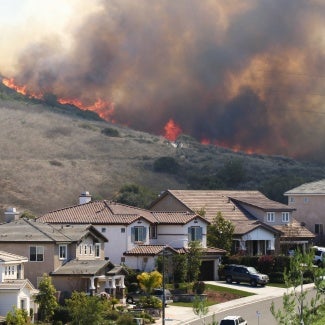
(308, 202)
(262, 226)
(137, 236)
(72, 254)
(15, 290)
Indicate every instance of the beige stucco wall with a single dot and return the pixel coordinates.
(311, 212)
(33, 270)
(168, 203)
(262, 215)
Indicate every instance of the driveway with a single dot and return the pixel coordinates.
(183, 315)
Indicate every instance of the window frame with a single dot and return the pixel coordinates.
(37, 253)
(195, 233)
(270, 216)
(97, 249)
(138, 234)
(320, 230)
(285, 217)
(63, 255)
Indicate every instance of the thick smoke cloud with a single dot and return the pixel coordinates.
(246, 74)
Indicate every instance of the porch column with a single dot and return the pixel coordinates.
(92, 286)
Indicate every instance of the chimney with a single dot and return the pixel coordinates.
(11, 214)
(84, 197)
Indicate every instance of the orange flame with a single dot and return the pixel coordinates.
(104, 109)
(172, 130)
(10, 83)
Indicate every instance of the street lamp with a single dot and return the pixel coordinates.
(163, 286)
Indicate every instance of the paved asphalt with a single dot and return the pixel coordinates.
(183, 315)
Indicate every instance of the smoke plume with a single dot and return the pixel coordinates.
(243, 74)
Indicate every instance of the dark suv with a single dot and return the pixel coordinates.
(242, 273)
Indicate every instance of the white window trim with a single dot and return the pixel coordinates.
(66, 252)
(270, 216)
(285, 217)
(97, 250)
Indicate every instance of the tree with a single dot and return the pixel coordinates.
(135, 195)
(149, 281)
(180, 266)
(295, 299)
(200, 307)
(194, 258)
(86, 309)
(46, 299)
(220, 233)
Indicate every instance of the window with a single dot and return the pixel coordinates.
(122, 230)
(285, 217)
(97, 250)
(85, 249)
(138, 234)
(153, 232)
(195, 233)
(122, 259)
(306, 199)
(36, 253)
(80, 249)
(291, 199)
(270, 216)
(103, 230)
(63, 252)
(319, 230)
(90, 249)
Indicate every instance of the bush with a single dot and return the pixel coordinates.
(166, 165)
(199, 287)
(125, 319)
(110, 132)
(61, 314)
(276, 277)
(149, 302)
(266, 264)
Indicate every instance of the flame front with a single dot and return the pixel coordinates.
(172, 130)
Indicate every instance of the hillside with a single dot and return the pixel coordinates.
(49, 155)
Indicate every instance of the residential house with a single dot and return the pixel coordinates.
(72, 254)
(15, 290)
(308, 200)
(138, 236)
(262, 226)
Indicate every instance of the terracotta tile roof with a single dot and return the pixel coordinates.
(262, 202)
(164, 217)
(213, 201)
(313, 188)
(97, 212)
(149, 250)
(81, 267)
(294, 230)
(106, 212)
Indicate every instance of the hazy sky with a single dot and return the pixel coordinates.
(245, 74)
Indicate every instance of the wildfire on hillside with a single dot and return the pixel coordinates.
(246, 75)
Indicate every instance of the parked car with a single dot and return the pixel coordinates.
(133, 297)
(319, 255)
(168, 296)
(242, 273)
(233, 320)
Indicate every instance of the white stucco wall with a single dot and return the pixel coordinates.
(119, 240)
(177, 235)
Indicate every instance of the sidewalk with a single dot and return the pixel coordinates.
(182, 315)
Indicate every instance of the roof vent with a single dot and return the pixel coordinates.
(84, 197)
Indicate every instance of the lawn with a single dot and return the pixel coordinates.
(217, 294)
